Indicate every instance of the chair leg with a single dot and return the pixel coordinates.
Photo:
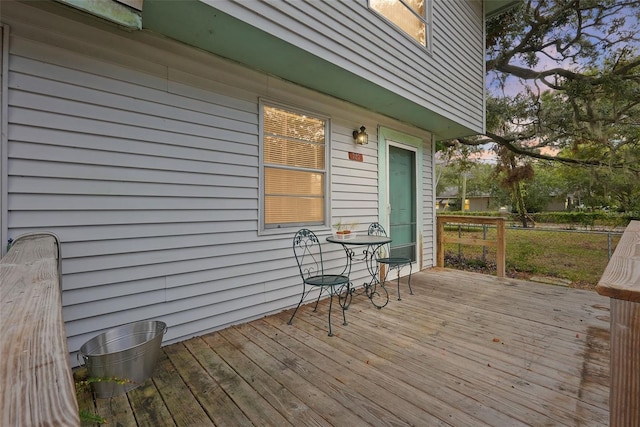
(408, 280)
(347, 301)
(298, 306)
(330, 305)
(317, 301)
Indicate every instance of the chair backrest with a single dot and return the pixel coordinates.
(375, 229)
(308, 253)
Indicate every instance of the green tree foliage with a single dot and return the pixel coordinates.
(477, 178)
(618, 189)
(577, 65)
(548, 187)
(513, 173)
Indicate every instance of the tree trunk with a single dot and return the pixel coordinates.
(522, 210)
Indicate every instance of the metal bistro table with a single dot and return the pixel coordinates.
(373, 289)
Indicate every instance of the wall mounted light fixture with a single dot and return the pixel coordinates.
(361, 137)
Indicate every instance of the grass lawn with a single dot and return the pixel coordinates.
(577, 257)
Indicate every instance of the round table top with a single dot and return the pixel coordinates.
(359, 240)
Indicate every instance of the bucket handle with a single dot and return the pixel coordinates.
(84, 358)
(164, 331)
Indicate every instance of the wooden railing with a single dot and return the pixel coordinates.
(36, 384)
(499, 243)
(621, 282)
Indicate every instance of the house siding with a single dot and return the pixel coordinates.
(445, 80)
(141, 154)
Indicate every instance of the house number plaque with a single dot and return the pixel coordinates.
(355, 156)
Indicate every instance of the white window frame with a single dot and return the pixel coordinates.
(427, 19)
(263, 229)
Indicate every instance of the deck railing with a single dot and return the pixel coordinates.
(36, 384)
(621, 282)
(499, 243)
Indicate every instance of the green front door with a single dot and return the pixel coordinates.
(402, 201)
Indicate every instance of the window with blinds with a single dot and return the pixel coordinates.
(412, 16)
(294, 167)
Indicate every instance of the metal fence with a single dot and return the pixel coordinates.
(474, 227)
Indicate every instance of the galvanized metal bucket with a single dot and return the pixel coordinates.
(123, 358)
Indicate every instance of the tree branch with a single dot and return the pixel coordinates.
(509, 144)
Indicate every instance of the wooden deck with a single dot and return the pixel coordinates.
(464, 350)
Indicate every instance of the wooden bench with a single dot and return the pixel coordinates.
(36, 383)
(621, 282)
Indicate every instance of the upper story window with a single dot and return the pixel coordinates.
(412, 16)
(294, 167)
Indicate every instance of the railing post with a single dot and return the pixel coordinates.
(621, 283)
(440, 242)
(484, 248)
(499, 243)
(501, 250)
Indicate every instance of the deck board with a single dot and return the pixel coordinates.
(148, 407)
(214, 385)
(343, 366)
(282, 399)
(464, 350)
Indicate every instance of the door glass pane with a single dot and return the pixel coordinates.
(402, 197)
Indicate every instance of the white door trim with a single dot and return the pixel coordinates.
(387, 137)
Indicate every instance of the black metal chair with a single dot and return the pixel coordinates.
(383, 256)
(308, 253)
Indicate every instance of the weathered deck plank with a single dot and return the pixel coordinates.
(181, 403)
(465, 350)
(413, 377)
(317, 396)
(384, 375)
(148, 407)
(532, 373)
(36, 386)
(278, 396)
(343, 365)
(117, 410)
(239, 392)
